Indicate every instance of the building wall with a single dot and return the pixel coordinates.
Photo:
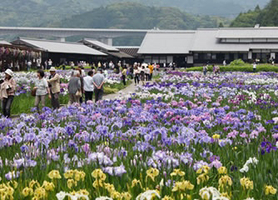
(201, 58)
(59, 58)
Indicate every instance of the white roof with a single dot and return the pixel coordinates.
(100, 44)
(205, 40)
(167, 42)
(62, 47)
(263, 32)
(5, 42)
(201, 40)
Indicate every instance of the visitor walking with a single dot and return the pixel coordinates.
(147, 72)
(131, 70)
(205, 69)
(89, 86)
(74, 88)
(8, 88)
(98, 81)
(124, 75)
(136, 75)
(54, 84)
(254, 66)
(151, 67)
(41, 87)
(81, 75)
(111, 65)
(217, 69)
(29, 64)
(142, 75)
(49, 64)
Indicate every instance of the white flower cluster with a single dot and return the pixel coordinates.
(253, 96)
(104, 198)
(61, 195)
(111, 81)
(261, 81)
(148, 195)
(211, 193)
(245, 167)
(275, 119)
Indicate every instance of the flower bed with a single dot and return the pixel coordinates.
(185, 137)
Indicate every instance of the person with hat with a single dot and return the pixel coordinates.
(54, 84)
(7, 88)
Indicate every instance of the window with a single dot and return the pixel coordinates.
(272, 40)
(208, 56)
(162, 59)
(213, 56)
(155, 59)
(232, 40)
(169, 59)
(245, 56)
(259, 40)
(245, 40)
(196, 56)
(148, 59)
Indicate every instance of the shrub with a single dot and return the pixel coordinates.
(237, 62)
(241, 68)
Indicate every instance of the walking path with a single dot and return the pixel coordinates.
(129, 89)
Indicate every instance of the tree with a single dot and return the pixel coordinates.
(265, 17)
(257, 9)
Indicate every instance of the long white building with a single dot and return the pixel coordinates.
(188, 48)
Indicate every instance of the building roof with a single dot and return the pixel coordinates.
(205, 40)
(262, 32)
(167, 42)
(4, 42)
(120, 54)
(130, 50)
(59, 47)
(99, 44)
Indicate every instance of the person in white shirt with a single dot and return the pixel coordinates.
(224, 63)
(29, 64)
(136, 74)
(147, 72)
(49, 63)
(111, 65)
(89, 86)
(254, 66)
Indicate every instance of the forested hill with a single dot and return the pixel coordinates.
(38, 12)
(137, 16)
(265, 17)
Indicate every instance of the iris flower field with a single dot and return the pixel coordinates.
(184, 136)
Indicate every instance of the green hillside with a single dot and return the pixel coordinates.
(265, 17)
(38, 12)
(133, 15)
(137, 16)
